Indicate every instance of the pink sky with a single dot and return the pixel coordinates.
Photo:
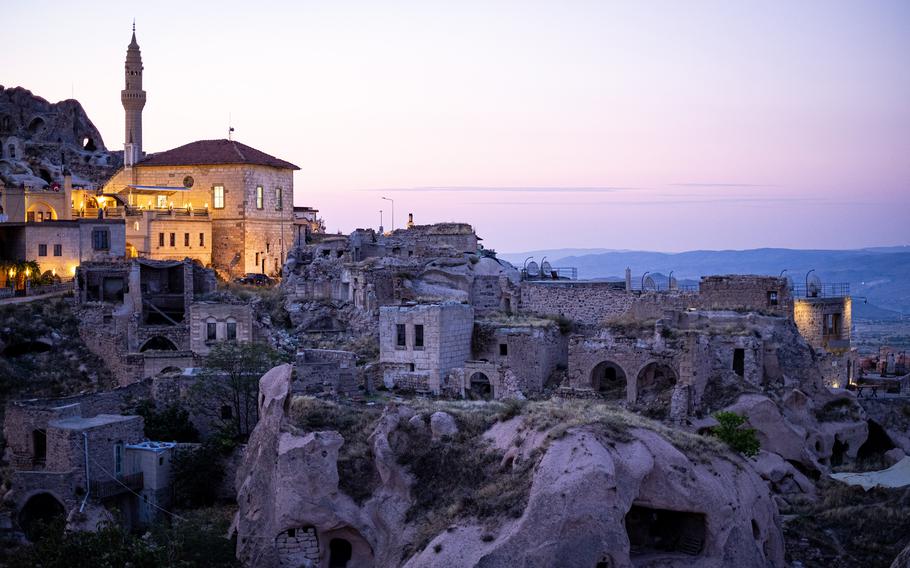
(636, 125)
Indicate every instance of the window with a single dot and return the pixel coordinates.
(257, 260)
(160, 239)
(401, 338)
(278, 204)
(42, 250)
(211, 330)
(418, 336)
(118, 459)
(162, 202)
(186, 239)
(218, 196)
(202, 239)
(739, 362)
(173, 239)
(227, 412)
(232, 331)
(39, 445)
(832, 325)
(101, 239)
(258, 197)
(135, 225)
(503, 349)
(58, 250)
(772, 298)
(267, 246)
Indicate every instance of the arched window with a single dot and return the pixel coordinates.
(211, 329)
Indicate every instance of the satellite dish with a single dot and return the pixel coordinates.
(813, 286)
(533, 269)
(546, 269)
(649, 284)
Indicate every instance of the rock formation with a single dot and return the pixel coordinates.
(40, 140)
(605, 488)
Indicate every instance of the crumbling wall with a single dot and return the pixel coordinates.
(327, 371)
(745, 292)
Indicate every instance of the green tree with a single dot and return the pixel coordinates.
(170, 424)
(228, 386)
(731, 431)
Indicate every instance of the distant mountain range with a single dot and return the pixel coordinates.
(879, 277)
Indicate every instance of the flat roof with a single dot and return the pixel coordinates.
(150, 446)
(80, 423)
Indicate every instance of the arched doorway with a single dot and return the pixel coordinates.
(158, 343)
(609, 380)
(40, 513)
(40, 211)
(654, 389)
(340, 552)
(479, 387)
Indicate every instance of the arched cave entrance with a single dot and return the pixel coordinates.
(609, 380)
(36, 124)
(664, 531)
(39, 513)
(479, 387)
(340, 551)
(654, 389)
(88, 144)
(158, 343)
(877, 443)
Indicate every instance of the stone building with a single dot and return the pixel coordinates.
(746, 292)
(420, 344)
(215, 322)
(61, 246)
(328, 371)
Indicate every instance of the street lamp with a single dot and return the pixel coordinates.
(392, 201)
(380, 221)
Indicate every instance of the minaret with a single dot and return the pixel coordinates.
(133, 99)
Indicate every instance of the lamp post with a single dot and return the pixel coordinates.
(380, 221)
(392, 201)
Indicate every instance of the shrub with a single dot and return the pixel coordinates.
(730, 430)
(197, 472)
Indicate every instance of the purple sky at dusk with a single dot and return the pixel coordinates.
(628, 125)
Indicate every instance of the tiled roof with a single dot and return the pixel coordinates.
(214, 152)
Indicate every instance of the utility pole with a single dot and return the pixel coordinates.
(392, 201)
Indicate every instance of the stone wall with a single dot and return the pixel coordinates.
(192, 237)
(75, 241)
(744, 292)
(202, 313)
(297, 547)
(327, 371)
(589, 303)
(532, 353)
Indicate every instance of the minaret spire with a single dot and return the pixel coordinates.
(133, 99)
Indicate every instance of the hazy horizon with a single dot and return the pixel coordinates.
(655, 126)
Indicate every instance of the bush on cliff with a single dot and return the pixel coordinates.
(730, 430)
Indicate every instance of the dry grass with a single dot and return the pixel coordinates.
(628, 325)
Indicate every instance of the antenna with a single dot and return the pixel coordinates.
(230, 128)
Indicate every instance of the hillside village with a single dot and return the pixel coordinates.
(406, 397)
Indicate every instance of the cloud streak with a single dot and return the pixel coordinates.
(507, 189)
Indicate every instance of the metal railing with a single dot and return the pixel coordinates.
(555, 273)
(835, 290)
(104, 488)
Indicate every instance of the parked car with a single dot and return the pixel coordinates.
(254, 279)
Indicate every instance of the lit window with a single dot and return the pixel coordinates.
(218, 196)
(162, 202)
(136, 226)
(258, 197)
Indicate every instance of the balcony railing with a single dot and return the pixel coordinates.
(836, 290)
(105, 488)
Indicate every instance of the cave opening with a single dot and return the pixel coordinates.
(877, 443)
(661, 531)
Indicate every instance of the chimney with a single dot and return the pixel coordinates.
(628, 279)
(410, 220)
(67, 209)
